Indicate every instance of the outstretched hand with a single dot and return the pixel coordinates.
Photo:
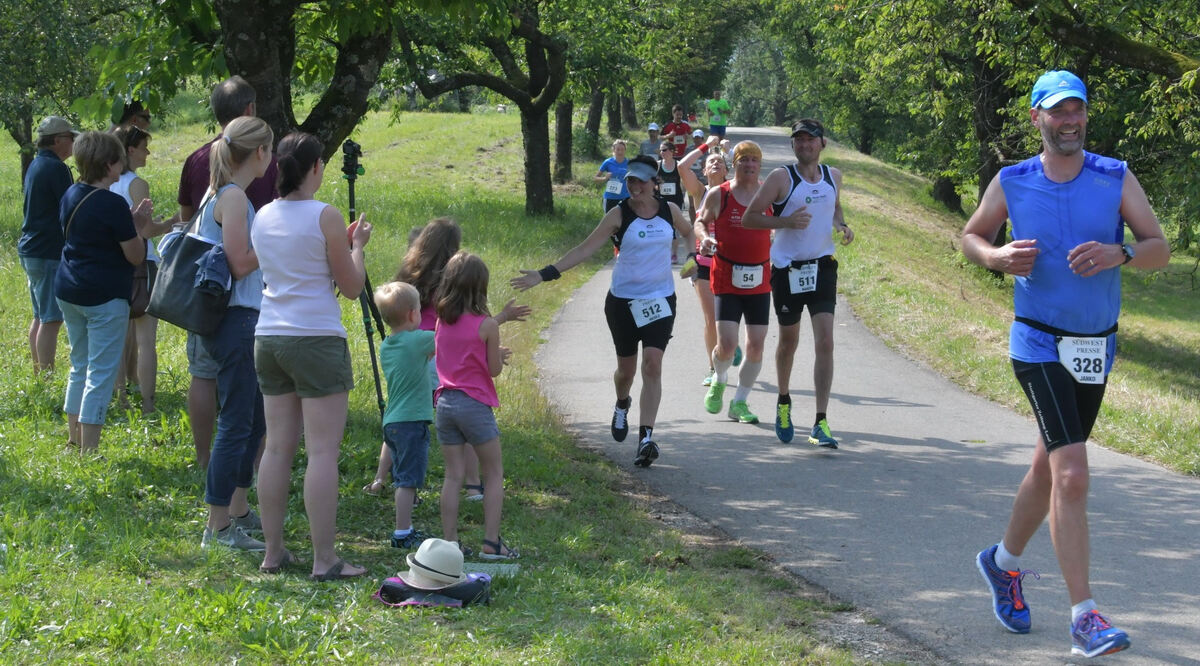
(505, 353)
(528, 280)
(513, 312)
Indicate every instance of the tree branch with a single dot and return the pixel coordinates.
(1110, 44)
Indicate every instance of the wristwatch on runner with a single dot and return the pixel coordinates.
(1127, 250)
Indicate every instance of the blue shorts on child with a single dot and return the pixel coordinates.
(409, 443)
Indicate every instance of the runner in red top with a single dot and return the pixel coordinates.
(677, 132)
(740, 279)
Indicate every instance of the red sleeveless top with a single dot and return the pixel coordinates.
(740, 248)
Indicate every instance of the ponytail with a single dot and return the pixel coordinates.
(241, 138)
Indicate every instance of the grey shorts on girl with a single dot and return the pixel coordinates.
(461, 419)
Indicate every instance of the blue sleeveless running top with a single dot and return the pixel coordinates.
(1060, 216)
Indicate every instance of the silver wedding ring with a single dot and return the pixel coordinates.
(1093, 261)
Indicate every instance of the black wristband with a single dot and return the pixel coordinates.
(549, 273)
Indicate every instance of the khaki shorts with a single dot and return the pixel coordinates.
(311, 366)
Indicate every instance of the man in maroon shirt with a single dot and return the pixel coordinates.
(677, 132)
(232, 98)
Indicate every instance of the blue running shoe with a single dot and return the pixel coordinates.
(784, 429)
(821, 436)
(1008, 603)
(1092, 636)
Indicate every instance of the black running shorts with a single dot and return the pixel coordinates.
(789, 307)
(625, 332)
(1065, 409)
(755, 308)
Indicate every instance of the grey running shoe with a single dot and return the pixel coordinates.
(232, 537)
(249, 522)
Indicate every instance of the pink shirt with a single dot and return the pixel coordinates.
(461, 359)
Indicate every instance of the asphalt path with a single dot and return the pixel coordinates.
(923, 480)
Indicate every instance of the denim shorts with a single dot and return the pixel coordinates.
(40, 274)
(311, 366)
(409, 443)
(200, 364)
(462, 419)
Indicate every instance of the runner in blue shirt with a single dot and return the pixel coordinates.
(1069, 209)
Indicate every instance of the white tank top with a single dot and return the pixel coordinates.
(643, 267)
(121, 187)
(298, 297)
(816, 240)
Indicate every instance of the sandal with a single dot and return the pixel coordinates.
(375, 488)
(289, 560)
(474, 492)
(503, 551)
(335, 573)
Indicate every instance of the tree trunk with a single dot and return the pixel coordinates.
(535, 131)
(592, 125)
(22, 134)
(563, 113)
(992, 96)
(629, 112)
(463, 96)
(613, 111)
(260, 45)
(866, 137)
(945, 193)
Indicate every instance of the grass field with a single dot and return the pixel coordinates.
(101, 560)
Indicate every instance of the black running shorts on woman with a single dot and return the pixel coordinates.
(1065, 409)
(625, 332)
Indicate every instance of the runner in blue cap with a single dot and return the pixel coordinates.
(1069, 210)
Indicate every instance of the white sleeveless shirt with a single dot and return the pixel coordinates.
(121, 187)
(816, 240)
(298, 297)
(643, 267)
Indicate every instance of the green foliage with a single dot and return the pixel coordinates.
(156, 47)
(943, 86)
(44, 62)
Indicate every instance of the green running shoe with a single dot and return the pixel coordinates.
(715, 397)
(821, 437)
(739, 411)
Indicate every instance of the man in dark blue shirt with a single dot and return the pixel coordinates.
(41, 243)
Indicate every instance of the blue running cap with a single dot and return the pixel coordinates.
(1055, 86)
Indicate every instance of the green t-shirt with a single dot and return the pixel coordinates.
(717, 108)
(404, 356)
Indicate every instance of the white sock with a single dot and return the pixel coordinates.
(721, 367)
(746, 377)
(1081, 608)
(400, 534)
(1006, 560)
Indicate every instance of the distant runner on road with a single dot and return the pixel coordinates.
(1069, 209)
(718, 114)
(677, 131)
(640, 307)
(806, 202)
